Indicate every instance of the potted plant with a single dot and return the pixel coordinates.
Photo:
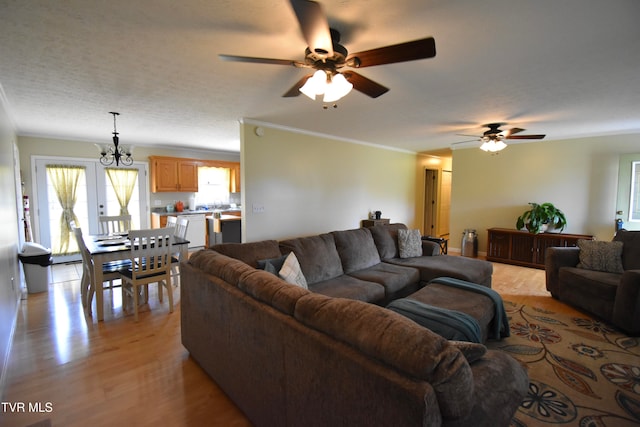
(540, 217)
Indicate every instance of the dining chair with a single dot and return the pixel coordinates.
(150, 263)
(181, 226)
(114, 224)
(171, 221)
(110, 271)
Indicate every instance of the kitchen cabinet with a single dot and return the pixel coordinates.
(172, 174)
(526, 249)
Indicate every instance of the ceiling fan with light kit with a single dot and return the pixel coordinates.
(493, 139)
(329, 58)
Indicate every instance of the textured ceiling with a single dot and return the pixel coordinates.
(567, 68)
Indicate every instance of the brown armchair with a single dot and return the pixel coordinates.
(611, 295)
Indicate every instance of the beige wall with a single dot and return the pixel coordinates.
(10, 278)
(310, 184)
(579, 176)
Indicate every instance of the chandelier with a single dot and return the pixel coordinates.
(116, 153)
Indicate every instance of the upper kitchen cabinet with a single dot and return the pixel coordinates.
(172, 174)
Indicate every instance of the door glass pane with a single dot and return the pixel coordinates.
(113, 205)
(62, 244)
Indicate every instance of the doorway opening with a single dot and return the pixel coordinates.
(437, 202)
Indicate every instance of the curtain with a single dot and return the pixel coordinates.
(214, 184)
(123, 182)
(64, 180)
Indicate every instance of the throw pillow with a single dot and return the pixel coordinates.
(600, 256)
(272, 265)
(292, 273)
(409, 243)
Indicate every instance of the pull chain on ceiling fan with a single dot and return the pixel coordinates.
(328, 57)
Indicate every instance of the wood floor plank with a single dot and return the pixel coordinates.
(101, 374)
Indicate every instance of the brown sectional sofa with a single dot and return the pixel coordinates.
(331, 355)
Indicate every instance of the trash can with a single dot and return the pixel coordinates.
(470, 243)
(36, 263)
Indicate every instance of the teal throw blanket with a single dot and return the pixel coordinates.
(450, 324)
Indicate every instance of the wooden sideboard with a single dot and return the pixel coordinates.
(517, 247)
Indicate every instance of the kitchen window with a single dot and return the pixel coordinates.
(213, 186)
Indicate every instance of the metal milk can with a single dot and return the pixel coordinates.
(469, 246)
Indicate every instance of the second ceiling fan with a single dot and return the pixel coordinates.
(328, 57)
(493, 139)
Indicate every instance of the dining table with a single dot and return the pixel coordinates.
(108, 248)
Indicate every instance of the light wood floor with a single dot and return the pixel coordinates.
(81, 373)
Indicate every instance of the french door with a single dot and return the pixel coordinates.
(93, 195)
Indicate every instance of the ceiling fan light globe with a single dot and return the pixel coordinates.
(315, 85)
(493, 146)
(338, 88)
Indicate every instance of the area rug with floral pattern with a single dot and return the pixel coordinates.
(582, 372)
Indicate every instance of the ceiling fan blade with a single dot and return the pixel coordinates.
(526, 137)
(409, 51)
(314, 26)
(295, 89)
(262, 60)
(466, 134)
(365, 85)
(511, 131)
(465, 142)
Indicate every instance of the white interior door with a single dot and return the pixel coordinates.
(95, 196)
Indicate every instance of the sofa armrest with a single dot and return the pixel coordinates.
(554, 259)
(430, 248)
(626, 307)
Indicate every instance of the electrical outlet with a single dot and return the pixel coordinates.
(258, 208)
(157, 203)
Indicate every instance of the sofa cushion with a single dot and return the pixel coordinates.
(396, 341)
(386, 239)
(394, 278)
(431, 267)
(291, 272)
(593, 291)
(346, 286)
(356, 248)
(600, 256)
(599, 284)
(631, 248)
(250, 253)
(271, 290)
(317, 255)
(409, 243)
(211, 262)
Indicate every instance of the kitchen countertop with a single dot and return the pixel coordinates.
(224, 218)
(199, 211)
